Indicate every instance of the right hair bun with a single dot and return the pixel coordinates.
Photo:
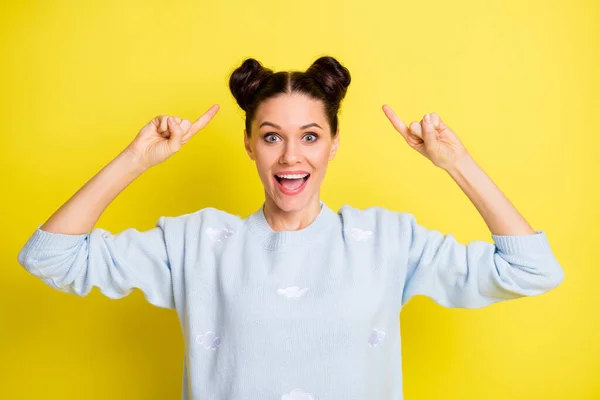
(246, 80)
(332, 76)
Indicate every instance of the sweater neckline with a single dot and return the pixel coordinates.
(272, 240)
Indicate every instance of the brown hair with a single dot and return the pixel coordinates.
(326, 80)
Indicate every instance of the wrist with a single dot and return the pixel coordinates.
(461, 166)
(134, 160)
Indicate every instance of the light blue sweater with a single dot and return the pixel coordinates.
(311, 314)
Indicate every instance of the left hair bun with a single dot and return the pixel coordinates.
(246, 80)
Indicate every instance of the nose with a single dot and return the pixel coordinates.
(291, 154)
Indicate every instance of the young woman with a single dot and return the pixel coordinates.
(296, 301)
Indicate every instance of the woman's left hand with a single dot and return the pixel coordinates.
(432, 138)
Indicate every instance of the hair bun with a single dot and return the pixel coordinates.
(332, 76)
(246, 80)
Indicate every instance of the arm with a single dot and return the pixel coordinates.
(64, 255)
(478, 273)
(501, 217)
(81, 212)
(437, 142)
(519, 263)
(158, 140)
(114, 263)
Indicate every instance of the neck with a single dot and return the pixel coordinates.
(282, 220)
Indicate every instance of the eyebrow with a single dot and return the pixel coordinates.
(278, 127)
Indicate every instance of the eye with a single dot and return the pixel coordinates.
(267, 136)
(313, 135)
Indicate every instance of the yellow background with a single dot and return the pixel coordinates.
(517, 80)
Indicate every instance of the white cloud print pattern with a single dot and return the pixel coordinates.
(292, 292)
(297, 394)
(376, 337)
(209, 340)
(360, 235)
(219, 235)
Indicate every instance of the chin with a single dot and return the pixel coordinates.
(291, 204)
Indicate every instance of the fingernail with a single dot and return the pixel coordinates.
(427, 118)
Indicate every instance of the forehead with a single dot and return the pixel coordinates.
(291, 111)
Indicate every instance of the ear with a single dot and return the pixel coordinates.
(247, 146)
(335, 145)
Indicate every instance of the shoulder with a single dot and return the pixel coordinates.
(375, 218)
(374, 214)
(205, 217)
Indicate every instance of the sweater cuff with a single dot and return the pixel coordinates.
(515, 244)
(43, 239)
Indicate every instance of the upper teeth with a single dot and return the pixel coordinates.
(295, 176)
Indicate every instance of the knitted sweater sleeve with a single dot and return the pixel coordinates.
(115, 263)
(478, 273)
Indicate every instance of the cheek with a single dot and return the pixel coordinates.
(319, 158)
(264, 165)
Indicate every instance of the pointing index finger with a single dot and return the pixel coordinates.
(398, 124)
(203, 120)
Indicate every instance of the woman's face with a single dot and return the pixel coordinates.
(291, 137)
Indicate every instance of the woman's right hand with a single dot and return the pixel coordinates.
(163, 136)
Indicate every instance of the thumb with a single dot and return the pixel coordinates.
(429, 131)
(176, 134)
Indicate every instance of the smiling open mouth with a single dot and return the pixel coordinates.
(291, 185)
